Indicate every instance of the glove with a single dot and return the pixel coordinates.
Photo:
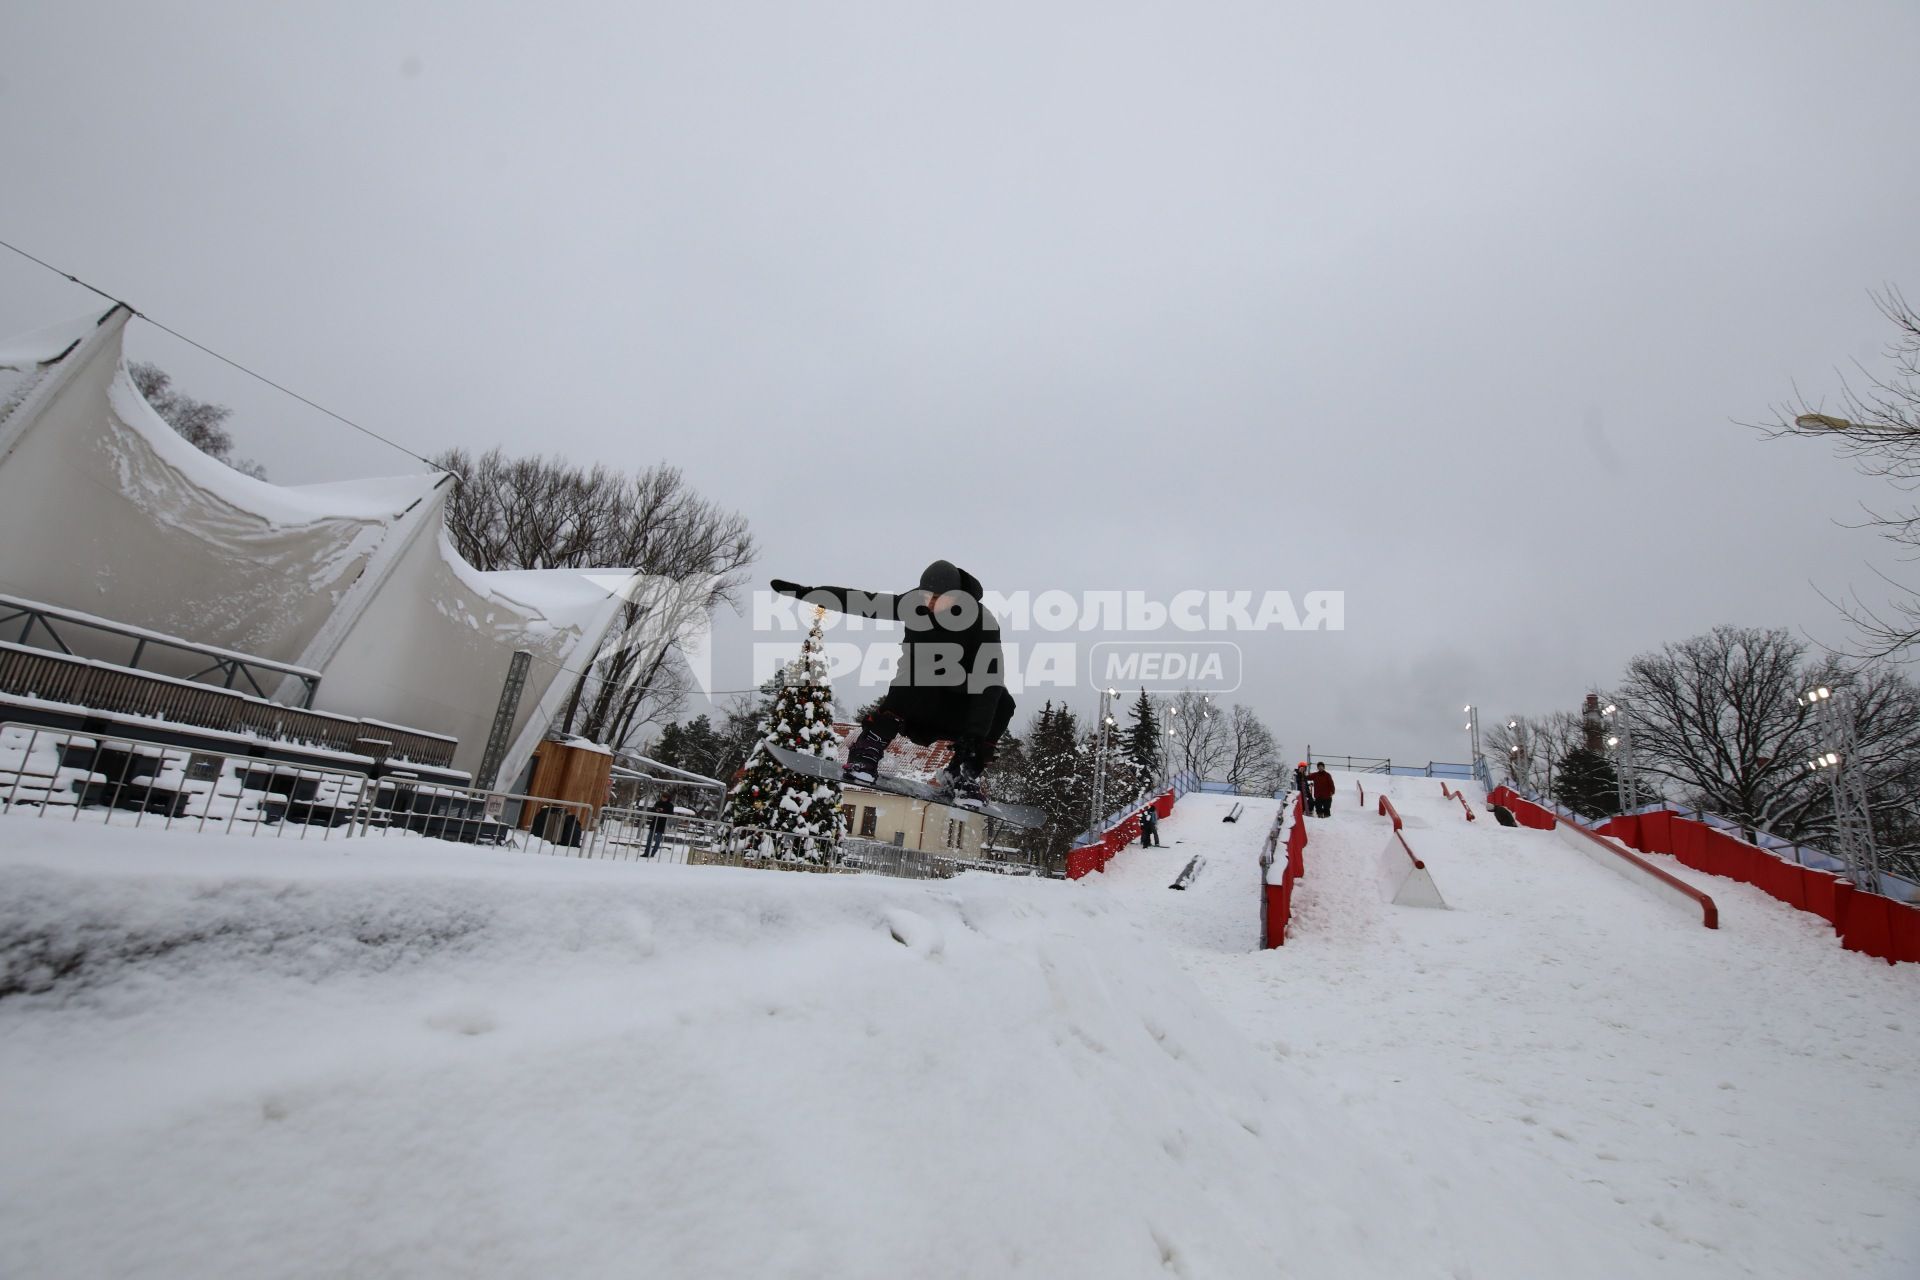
(786, 588)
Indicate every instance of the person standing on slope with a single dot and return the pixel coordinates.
(1323, 790)
(950, 686)
(1306, 792)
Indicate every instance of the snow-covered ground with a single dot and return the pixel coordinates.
(225, 1057)
(1564, 1056)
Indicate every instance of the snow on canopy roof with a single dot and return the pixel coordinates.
(380, 500)
(48, 345)
(105, 508)
(25, 359)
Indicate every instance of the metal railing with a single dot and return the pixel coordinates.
(58, 773)
(124, 780)
(630, 833)
(231, 666)
(66, 775)
(473, 815)
(86, 682)
(1385, 764)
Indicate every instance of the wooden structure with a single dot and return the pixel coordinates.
(576, 772)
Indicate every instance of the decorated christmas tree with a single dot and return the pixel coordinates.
(771, 799)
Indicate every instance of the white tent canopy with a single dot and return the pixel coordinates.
(104, 508)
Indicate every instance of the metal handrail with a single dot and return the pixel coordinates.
(101, 686)
(228, 662)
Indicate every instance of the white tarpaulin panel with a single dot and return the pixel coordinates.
(433, 646)
(105, 509)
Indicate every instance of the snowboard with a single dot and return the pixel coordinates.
(1025, 816)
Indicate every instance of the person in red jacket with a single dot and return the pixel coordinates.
(1322, 783)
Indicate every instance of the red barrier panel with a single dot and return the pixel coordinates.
(1782, 880)
(1656, 832)
(1279, 897)
(1866, 922)
(1279, 908)
(1823, 894)
(1525, 812)
(1297, 841)
(1868, 926)
(1906, 932)
(1088, 858)
(1689, 843)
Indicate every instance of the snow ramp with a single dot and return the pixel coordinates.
(1561, 1042)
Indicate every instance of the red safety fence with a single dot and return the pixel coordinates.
(1093, 857)
(1277, 904)
(1865, 922)
(1461, 796)
(1525, 812)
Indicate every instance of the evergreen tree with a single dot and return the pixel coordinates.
(773, 798)
(1143, 746)
(1585, 782)
(1057, 776)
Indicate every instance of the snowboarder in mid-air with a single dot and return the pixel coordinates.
(950, 686)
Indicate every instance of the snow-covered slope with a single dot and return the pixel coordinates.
(1564, 1048)
(230, 1058)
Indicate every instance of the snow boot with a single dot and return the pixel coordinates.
(863, 758)
(963, 772)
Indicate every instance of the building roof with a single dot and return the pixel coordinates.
(904, 759)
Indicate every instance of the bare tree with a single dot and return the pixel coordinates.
(1880, 432)
(1532, 748)
(1253, 762)
(201, 424)
(544, 513)
(1199, 740)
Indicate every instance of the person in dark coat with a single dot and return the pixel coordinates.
(1300, 782)
(657, 828)
(1149, 828)
(951, 685)
(1323, 789)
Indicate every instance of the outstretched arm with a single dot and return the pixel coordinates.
(881, 605)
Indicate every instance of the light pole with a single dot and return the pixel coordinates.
(1104, 742)
(1474, 765)
(1626, 775)
(1853, 820)
(1519, 760)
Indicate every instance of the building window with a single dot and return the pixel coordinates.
(846, 816)
(869, 820)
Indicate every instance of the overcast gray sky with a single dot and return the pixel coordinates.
(1448, 307)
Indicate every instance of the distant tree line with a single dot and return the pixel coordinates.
(1716, 723)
